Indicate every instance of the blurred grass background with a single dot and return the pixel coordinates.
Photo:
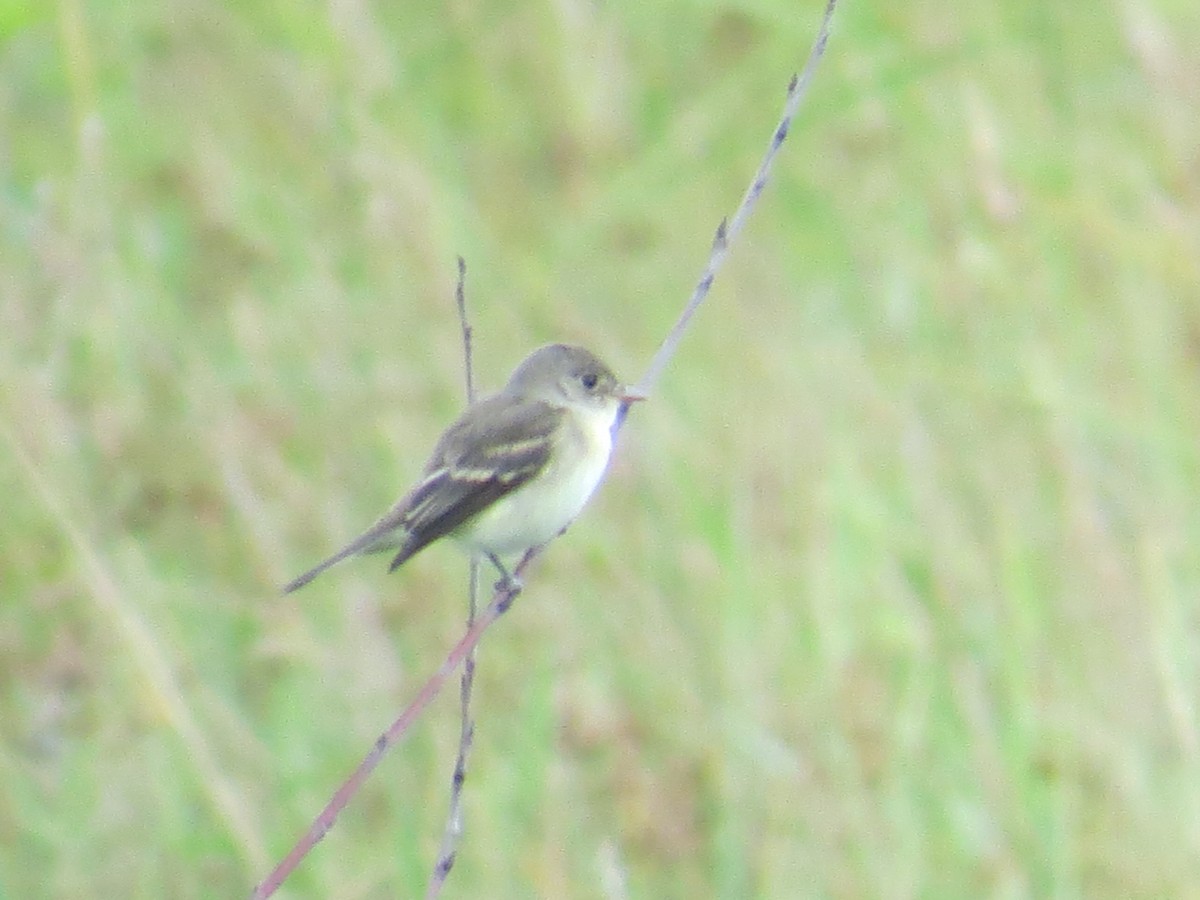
(893, 591)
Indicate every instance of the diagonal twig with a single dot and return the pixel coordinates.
(502, 599)
(730, 228)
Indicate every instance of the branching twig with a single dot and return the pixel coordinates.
(504, 595)
(452, 833)
(502, 599)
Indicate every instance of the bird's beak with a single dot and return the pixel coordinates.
(630, 394)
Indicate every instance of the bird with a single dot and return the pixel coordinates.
(513, 471)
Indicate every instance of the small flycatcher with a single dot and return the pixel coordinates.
(514, 470)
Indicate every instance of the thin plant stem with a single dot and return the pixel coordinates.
(453, 830)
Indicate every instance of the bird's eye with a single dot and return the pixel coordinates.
(589, 380)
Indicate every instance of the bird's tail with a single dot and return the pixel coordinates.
(383, 535)
(302, 580)
(389, 532)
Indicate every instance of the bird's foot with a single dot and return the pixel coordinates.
(508, 583)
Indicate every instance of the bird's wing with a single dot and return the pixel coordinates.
(481, 458)
(495, 447)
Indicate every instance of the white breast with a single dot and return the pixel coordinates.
(540, 509)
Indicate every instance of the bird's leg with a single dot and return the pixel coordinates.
(507, 582)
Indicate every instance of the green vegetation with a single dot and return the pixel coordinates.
(894, 589)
